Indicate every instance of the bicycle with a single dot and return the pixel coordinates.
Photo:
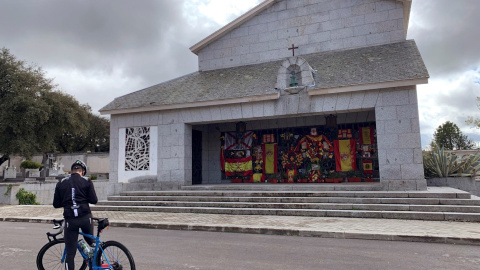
(106, 255)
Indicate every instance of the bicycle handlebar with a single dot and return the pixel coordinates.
(102, 224)
(58, 225)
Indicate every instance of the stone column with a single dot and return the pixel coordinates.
(114, 187)
(175, 156)
(211, 156)
(399, 144)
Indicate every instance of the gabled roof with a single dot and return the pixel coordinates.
(383, 66)
(263, 6)
(232, 25)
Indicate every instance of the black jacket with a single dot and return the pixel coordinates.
(84, 194)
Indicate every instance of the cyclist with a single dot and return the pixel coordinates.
(74, 193)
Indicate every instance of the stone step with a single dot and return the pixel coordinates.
(419, 215)
(432, 204)
(358, 194)
(422, 201)
(370, 186)
(326, 206)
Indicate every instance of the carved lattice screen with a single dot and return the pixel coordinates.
(137, 149)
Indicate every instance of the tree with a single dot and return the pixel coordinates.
(449, 136)
(474, 121)
(33, 114)
(97, 138)
(99, 134)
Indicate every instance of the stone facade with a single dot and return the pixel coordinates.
(244, 75)
(312, 25)
(394, 110)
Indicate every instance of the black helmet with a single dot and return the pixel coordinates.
(80, 163)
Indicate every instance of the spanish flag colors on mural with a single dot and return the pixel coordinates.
(238, 166)
(269, 158)
(367, 166)
(366, 135)
(345, 155)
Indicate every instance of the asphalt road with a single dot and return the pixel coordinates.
(182, 250)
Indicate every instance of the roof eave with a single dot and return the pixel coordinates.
(207, 103)
(232, 25)
(407, 7)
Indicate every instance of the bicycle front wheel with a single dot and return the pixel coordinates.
(50, 257)
(116, 255)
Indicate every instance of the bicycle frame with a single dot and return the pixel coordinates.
(93, 260)
(98, 246)
(102, 253)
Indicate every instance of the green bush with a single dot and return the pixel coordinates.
(439, 163)
(28, 164)
(92, 177)
(26, 198)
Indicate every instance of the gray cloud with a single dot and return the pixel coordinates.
(148, 40)
(84, 32)
(460, 98)
(447, 34)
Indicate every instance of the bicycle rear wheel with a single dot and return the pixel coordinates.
(50, 257)
(117, 255)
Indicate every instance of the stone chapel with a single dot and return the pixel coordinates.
(291, 92)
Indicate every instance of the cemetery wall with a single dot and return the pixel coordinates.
(97, 163)
(44, 191)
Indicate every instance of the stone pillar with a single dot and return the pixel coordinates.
(114, 186)
(175, 156)
(211, 156)
(399, 144)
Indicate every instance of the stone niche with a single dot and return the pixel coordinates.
(301, 71)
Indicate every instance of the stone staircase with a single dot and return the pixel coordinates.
(355, 201)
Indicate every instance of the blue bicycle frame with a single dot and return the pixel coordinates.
(92, 260)
(106, 255)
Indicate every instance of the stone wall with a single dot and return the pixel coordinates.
(97, 163)
(468, 184)
(174, 149)
(44, 191)
(312, 25)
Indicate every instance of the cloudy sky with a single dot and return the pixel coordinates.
(98, 50)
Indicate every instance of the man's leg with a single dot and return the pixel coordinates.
(71, 237)
(87, 227)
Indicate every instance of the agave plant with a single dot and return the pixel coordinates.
(440, 163)
(470, 165)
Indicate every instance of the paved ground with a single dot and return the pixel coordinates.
(352, 228)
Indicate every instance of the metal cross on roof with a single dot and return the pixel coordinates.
(293, 49)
